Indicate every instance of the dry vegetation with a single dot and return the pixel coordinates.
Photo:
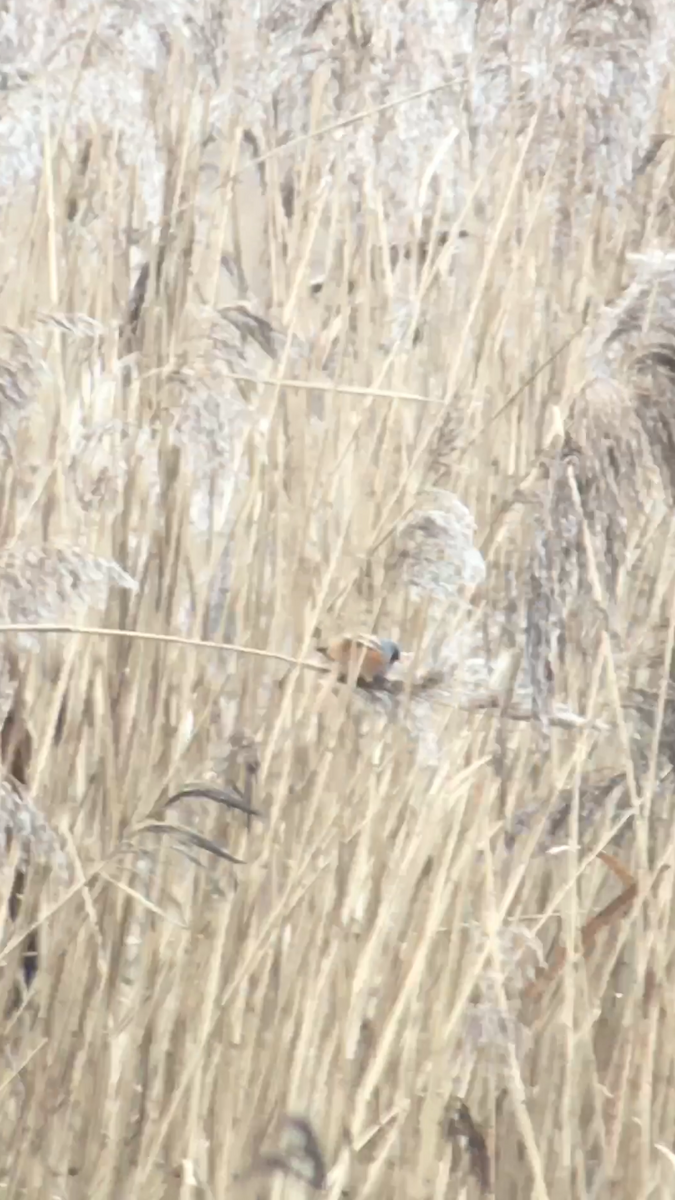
(317, 318)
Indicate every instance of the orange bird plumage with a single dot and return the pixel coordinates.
(375, 655)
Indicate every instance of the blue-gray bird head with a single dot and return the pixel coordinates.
(390, 651)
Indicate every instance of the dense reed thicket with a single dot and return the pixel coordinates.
(314, 319)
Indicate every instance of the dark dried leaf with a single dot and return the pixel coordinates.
(303, 1152)
(191, 836)
(300, 1156)
(458, 1124)
(317, 18)
(657, 142)
(249, 325)
(230, 797)
(138, 296)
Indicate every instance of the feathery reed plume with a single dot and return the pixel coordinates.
(20, 369)
(492, 1022)
(615, 464)
(433, 554)
(39, 584)
(29, 843)
(24, 827)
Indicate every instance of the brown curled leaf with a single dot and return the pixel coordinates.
(616, 908)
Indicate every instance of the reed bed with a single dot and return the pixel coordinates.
(314, 319)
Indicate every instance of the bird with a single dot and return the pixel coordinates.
(373, 655)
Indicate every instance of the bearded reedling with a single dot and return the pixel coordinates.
(372, 656)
